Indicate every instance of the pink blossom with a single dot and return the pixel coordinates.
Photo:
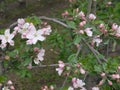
(119, 68)
(20, 22)
(115, 76)
(41, 54)
(77, 83)
(47, 30)
(70, 88)
(12, 87)
(60, 68)
(81, 32)
(61, 64)
(36, 49)
(9, 82)
(101, 25)
(92, 17)
(101, 82)
(110, 82)
(82, 71)
(97, 40)
(114, 26)
(7, 38)
(102, 74)
(81, 14)
(89, 32)
(95, 88)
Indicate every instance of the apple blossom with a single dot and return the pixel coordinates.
(77, 83)
(34, 36)
(110, 82)
(82, 71)
(89, 32)
(95, 88)
(7, 38)
(60, 68)
(70, 88)
(114, 26)
(41, 54)
(97, 40)
(9, 82)
(101, 26)
(92, 16)
(81, 14)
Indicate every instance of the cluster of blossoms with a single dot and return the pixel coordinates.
(115, 76)
(8, 86)
(77, 83)
(60, 68)
(29, 32)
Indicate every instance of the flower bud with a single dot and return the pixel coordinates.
(101, 25)
(12, 87)
(102, 74)
(114, 26)
(81, 32)
(9, 82)
(101, 82)
(82, 71)
(110, 83)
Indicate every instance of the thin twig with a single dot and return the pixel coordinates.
(55, 20)
(51, 65)
(94, 6)
(89, 7)
(92, 50)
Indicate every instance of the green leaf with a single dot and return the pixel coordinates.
(71, 24)
(77, 39)
(26, 62)
(98, 68)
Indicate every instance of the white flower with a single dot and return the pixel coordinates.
(36, 61)
(70, 88)
(59, 70)
(95, 88)
(89, 32)
(47, 30)
(92, 17)
(81, 14)
(77, 83)
(118, 32)
(97, 40)
(7, 38)
(20, 22)
(35, 36)
(61, 67)
(41, 54)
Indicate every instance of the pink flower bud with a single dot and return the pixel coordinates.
(115, 76)
(36, 49)
(110, 82)
(81, 24)
(103, 74)
(74, 80)
(92, 17)
(9, 82)
(101, 25)
(81, 32)
(101, 82)
(114, 26)
(81, 14)
(77, 10)
(82, 71)
(12, 87)
(51, 87)
(78, 65)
